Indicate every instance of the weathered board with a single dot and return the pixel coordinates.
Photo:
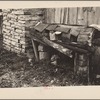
(58, 15)
(74, 15)
(62, 14)
(65, 17)
(50, 15)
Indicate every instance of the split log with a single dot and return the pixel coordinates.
(74, 48)
(58, 47)
(63, 48)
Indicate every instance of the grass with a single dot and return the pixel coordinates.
(15, 71)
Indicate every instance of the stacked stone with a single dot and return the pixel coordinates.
(16, 25)
(81, 66)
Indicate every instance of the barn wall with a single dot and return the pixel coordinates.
(74, 15)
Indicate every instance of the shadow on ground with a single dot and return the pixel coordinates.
(15, 71)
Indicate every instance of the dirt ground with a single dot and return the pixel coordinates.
(15, 71)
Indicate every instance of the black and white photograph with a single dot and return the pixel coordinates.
(49, 50)
(49, 47)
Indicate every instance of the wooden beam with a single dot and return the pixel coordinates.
(61, 47)
(74, 48)
(58, 47)
(75, 63)
(35, 50)
(38, 40)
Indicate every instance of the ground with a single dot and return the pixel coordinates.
(15, 71)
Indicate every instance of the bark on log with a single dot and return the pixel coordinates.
(74, 48)
(58, 47)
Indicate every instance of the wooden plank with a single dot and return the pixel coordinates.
(50, 16)
(85, 14)
(66, 16)
(41, 27)
(35, 50)
(57, 15)
(97, 15)
(73, 16)
(71, 26)
(64, 48)
(62, 15)
(58, 47)
(91, 15)
(80, 16)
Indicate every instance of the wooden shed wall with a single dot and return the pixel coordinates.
(73, 15)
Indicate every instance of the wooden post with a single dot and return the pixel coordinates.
(88, 69)
(35, 50)
(75, 63)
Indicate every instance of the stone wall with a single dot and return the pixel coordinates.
(16, 25)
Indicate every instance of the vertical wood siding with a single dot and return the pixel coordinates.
(74, 15)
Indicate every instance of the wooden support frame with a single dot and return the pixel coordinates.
(58, 47)
(35, 50)
(75, 63)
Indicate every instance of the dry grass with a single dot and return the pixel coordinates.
(15, 71)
